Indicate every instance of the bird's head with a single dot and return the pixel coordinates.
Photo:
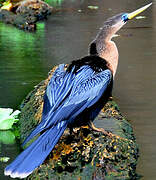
(113, 24)
(102, 44)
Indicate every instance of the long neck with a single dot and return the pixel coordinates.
(105, 48)
(109, 52)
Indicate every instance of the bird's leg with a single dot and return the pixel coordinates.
(92, 126)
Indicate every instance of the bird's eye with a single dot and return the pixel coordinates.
(124, 17)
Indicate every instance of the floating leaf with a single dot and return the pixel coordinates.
(7, 118)
(4, 159)
(79, 10)
(93, 7)
(140, 17)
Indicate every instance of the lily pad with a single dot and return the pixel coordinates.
(8, 118)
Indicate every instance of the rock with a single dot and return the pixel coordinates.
(25, 14)
(16, 20)
(85, 154)
(33, 8)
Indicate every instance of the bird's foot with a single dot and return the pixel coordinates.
(92, 126)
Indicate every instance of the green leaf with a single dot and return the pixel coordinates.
(6, 3)
(4, 159)
(7, 118)
(7, 137)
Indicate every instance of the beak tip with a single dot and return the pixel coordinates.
(138, 11)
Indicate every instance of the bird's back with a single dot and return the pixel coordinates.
(98, 65)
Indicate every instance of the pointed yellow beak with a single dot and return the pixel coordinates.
(138, 11)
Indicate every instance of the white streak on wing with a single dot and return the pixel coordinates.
(58, 126)
(49, 92)
(62, 123)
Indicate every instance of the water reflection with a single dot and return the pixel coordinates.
(25, 59)
(21, 55)
(9, 149)
(7, 137)
(54, 3)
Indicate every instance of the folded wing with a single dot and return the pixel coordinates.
(69, 94)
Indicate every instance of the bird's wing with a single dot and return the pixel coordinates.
(80, 91)
(57, 89)
(87, 89)
(73, 95)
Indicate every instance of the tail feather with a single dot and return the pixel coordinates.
(35, 132)
(35, 154)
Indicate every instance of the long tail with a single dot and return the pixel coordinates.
(36, 153)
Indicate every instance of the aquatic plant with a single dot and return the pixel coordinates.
(7, 5)
(8, 118)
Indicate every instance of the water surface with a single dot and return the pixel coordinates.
(26, 58)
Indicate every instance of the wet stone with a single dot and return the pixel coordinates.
(25, 14)
(33, 8)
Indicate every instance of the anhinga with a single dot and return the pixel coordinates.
(72, 94)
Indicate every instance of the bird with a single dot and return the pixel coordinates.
(74, 95)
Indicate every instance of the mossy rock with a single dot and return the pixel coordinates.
(25, 14)
(33, 9)
(84, 154)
